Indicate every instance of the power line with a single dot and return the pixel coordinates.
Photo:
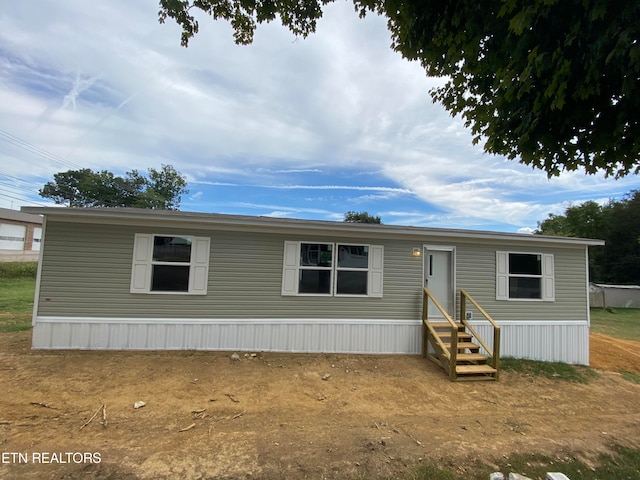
(30, 147)
(39, 204)
(21, 180)
(18, 187)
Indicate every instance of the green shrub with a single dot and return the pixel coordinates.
(18, 269)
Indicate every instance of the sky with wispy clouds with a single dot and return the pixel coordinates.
(292, 127)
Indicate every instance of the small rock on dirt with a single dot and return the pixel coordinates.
(326, 376)
(235, 357)
(139, 404)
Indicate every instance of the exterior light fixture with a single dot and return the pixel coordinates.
(417, 252)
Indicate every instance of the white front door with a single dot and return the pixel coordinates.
(438, 278)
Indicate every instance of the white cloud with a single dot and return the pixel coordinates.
(318, 124)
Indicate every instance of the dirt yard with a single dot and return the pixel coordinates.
(290, 416)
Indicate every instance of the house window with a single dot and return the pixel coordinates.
(352, 270)
(524, 276)
(170, 264)
(332, 269)
(316, 267)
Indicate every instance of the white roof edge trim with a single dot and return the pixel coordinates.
(88, 214)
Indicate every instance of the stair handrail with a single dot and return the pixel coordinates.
(493, 353)
(452, 353)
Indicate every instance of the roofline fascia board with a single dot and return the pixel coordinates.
(159, 218)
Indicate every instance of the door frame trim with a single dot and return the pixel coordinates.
(442, 248)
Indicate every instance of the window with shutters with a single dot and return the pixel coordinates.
(332, 269)
(170, 264)
(524, 276)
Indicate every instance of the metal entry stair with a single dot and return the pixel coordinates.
(456, 346)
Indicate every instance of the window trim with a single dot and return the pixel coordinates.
(547, 277)
(142, 264)
(291, 269)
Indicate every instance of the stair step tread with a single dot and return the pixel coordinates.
(469, 346)
(471, 369)
(444, 325)
(471, 357)
(465, 339)
(461, 335)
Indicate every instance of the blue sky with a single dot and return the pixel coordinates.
(291, 127)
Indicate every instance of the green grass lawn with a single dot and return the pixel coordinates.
(623, 323)
(551, 370)
(622, 464)
(16, 303)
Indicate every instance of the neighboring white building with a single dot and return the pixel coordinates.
(20, 236)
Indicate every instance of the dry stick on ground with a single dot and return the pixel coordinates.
(238, 415)
(232, 398)
(91, 419)
(104, 415)
(44, 405)
(187, 428)
(199, 413)
(412, 437)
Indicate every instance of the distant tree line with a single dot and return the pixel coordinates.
(617, 223)
(160, 189)
(361, 217)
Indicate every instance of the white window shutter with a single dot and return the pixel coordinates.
(290, 268)
(199, 271)
(376, 259)
(502, 276)
(548, 278)
(141, 267)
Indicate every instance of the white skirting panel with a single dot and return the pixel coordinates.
(566, 341)
(550, 341)
(280, 335)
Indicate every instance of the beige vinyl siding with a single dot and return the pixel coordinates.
(476, 273)
(87, 273)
